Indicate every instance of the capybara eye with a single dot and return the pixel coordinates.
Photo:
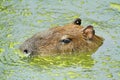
(26, 51)
(65, 41)
(77, 21)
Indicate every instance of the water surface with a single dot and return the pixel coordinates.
(20, 19)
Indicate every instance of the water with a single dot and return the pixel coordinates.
(20, 19)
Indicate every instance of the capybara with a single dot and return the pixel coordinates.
(66, 39)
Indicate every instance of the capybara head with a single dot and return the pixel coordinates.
(63, 40)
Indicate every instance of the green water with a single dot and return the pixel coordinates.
(20, 19)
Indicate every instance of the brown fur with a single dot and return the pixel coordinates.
(48, 42)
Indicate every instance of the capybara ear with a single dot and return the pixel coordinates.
(88, 32)
(77, 21)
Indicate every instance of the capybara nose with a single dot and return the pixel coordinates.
(25, 51)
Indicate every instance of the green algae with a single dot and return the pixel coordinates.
(26, 12)
(62, 61)
(109, 75)
(12, 44)
(73, 74)
(1, 50)
(115, 6)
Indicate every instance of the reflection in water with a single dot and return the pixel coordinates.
(83, 60)
(45, 65)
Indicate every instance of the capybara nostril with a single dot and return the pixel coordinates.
(25, 51)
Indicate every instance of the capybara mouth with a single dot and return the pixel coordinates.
(65, 39)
